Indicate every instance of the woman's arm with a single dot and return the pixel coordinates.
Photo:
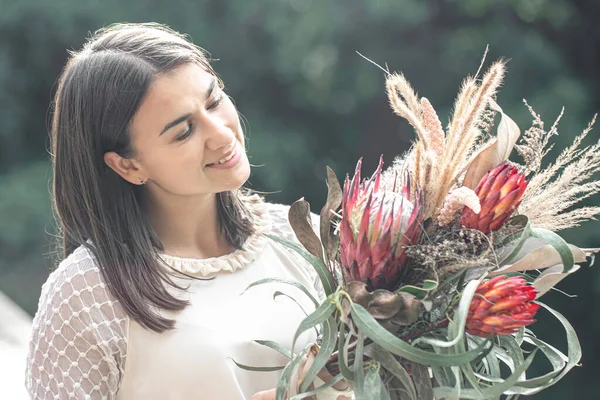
(78, 344)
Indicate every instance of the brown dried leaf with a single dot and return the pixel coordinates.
(384, 304)
(334, 200)
(550, 278)
(410, 310)
(358, 292)
(299, 217)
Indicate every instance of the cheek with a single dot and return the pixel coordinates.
(178, 163)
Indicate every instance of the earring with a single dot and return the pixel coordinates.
(142, 182)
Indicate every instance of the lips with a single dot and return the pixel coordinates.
(226, 155)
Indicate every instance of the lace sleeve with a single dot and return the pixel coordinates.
(78, 343)
(281, 227)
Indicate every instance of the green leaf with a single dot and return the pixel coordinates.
(317, 317)
(275, 346)
(420, 292)
(359, 373)
(389, 362)
(456, 328)
(492, 392)
(257, 369)
(373, 383)
(327, 347)
(520, 335)
(285, 281)
(367, 324)
(342, 353)
(278, 293)
(559, 244)
(329, 384)
(286, 374)
(523, 236)
(318, 265)
(572, 358)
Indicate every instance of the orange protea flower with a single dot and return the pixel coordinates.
(500, 192)
(500, 306)
(376, 226)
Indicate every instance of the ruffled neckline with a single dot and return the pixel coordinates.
(239, 258)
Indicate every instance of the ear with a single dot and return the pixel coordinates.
(128, 169)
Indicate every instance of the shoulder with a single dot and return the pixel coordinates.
(77, 285)
(77, 271)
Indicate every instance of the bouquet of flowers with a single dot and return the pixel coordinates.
(434, 268)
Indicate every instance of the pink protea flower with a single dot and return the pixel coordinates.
(376, 226)
(501, 305)
(500, 192)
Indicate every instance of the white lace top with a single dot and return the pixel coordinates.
(84, 346)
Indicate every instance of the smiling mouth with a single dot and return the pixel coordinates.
(225, 159)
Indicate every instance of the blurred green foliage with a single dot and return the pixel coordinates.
(309, 100)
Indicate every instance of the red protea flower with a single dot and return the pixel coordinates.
(376, 226)
(500, 306)
(499, 192)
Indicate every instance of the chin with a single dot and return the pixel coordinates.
(240, 177)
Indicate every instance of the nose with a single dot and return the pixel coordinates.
(218, 133)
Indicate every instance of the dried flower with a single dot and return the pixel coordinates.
(501, 305)
(376, 226)
(500, 192)
(457, 200)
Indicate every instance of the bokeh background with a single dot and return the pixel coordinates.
(309, 100)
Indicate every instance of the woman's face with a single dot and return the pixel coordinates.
(187, 135)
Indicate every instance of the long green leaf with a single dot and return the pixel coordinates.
(317, 317)
(491, 392)
(318, 265)
(572, 359)
(257, 369)
(318, 390)
(286, 374)
(373, 383)
(327, 347)
(389, 362)
(561, 246)
(275, 346)
(359, 373)
(367, 324)
(535, 385)
(456, 329)
(284, 281)
(524, 235)
(278, 293)
(342, 352)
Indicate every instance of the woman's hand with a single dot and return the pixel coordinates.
(264, 395)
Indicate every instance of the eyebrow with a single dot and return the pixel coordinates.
(211, 88)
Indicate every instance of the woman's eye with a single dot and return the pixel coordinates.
(215, 103)
(186, 134)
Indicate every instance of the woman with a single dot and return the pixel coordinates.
(159, 240)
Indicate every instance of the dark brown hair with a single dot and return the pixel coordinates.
(99, 91)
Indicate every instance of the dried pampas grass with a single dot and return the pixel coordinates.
(437, 159)
(553, 191)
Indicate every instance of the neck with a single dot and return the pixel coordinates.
(187, 226)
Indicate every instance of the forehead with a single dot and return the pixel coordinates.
(171, 95)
